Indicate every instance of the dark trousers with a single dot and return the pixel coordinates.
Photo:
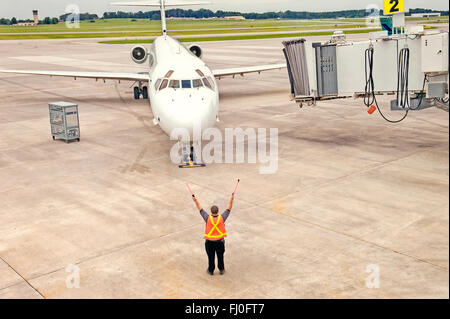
(213, 248)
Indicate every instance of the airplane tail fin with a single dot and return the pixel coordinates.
(162, 4)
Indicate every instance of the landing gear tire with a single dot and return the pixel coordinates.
(189, 157)
(137, 93)
(145, 92)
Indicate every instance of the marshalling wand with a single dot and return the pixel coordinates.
(237, 184)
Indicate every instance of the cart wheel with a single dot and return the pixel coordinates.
(53, 137)
(137, 93)
(78, 139)
(145, 93)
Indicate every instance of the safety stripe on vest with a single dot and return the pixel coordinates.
(215, 227)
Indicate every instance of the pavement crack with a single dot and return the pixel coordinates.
(111, 251)
(23, 278)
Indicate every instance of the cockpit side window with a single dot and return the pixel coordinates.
(207, 83)
(211, 81)
(169, 74)
(158, 82)
(174, 84)
(186, 84)
(197, 83)
(200, 73)
(164, 84)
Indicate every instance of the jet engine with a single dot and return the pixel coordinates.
(194, 48)
(139, 54)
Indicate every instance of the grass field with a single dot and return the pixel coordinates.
(243, 37)
(102, 25)
(155, 25)
(98, 34)
(127, 28)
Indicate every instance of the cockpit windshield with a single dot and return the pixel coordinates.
(186, 84)
(197, 83)
(174, 84)
(162, 84)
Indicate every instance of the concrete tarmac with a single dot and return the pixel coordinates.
(358, 207)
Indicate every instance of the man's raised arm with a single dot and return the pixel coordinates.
(230, 204)
(199, 207)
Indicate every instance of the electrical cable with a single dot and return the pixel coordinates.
(425, 79)
(403, 78)
(369, 91)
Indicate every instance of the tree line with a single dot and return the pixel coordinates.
(205, 13)
(49, 20)
(292, 15)
(13, 21)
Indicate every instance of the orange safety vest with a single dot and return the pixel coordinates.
(215, 228)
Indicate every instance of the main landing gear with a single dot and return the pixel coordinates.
(140, 90)
(189, 157)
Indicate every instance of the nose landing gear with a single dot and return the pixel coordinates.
(189, 157)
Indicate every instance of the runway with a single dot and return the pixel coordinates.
(352, 192)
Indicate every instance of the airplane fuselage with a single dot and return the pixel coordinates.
(182, 89)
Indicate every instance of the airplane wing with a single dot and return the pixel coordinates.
(253, 69)
(143, 77)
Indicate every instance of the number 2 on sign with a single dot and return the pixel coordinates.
(393, 6)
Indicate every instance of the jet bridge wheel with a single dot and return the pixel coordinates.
(137, 93)
(145, 92)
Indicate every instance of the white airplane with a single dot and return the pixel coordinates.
(181, 88)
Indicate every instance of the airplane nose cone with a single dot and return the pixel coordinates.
(193, 109)
(190, 112)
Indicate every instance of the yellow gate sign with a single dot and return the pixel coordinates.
(394, 6)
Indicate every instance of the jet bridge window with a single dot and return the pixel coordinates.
(174, 84)
(197, 83)
(186, 84)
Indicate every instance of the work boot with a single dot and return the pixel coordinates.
(222, 271)
(210, 272)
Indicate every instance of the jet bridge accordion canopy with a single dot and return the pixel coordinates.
(297, 66)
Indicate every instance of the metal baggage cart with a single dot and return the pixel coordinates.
(64, 121)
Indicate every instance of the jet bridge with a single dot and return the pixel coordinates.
(327, 70)
(411, 65)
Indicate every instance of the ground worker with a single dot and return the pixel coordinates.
(215, 234)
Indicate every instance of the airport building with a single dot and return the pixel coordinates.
(234, 18)
(35, 20)
(426, 15)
